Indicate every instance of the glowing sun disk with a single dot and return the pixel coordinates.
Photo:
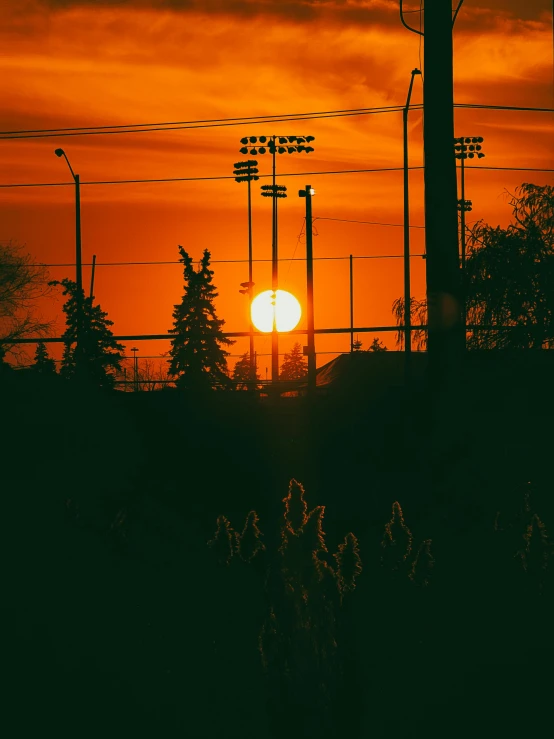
(284, 308)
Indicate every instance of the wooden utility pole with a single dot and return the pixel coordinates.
(444, 295)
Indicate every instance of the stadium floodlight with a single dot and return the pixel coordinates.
(465, 147)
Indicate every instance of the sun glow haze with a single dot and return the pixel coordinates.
(285, 308)
(81, 63)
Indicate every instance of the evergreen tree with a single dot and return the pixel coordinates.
(294, 365)
(242, 373)
(198, 360)
(101, 354)
(44, 364)
(357, 345)
(376, 346)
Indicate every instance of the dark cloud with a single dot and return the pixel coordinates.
(355, 10)
(350, 11)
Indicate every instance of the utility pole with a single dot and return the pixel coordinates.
(351, 303)
(407, 291)
(444, 298)
(307, 193)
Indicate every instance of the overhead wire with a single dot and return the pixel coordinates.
(221, 261)
(238, 121)
(231, 177)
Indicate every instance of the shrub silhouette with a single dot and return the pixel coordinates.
(397, 540)
(298, 640)
(422, 565)
(224, 543)
(535, 555)
(349, 564)
(249, 542)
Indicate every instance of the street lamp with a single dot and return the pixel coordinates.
(307, 193)
(78, 261)
(260, 145)
(465, 147)
(407, 290)
(246, 172)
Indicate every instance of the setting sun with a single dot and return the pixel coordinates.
(284, 307)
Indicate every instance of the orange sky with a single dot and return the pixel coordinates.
(68, 63)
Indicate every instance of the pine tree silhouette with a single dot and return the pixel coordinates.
(101, 353)
(198, 360)
(294, 365)
(377, 346)
(242, 373)
(44, 364)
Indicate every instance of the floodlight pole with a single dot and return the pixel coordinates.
(248, 171)
(274, 276)
(464, 147)
(250, 280)
(274, 191)
(307, 193)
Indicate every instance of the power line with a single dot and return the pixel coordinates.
(371, 223)
(195, 126)
(247, 120)
(225, 261)
(196, 179)
(238, 121)
(231, 177)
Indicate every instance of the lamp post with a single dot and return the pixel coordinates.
(78, 260)
(465, 147)
(275, 145)
(307, 193)
(246, 172)
(407, 291)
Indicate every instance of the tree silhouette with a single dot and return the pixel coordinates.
(242, 373)
(294, 365)
(510, 275)
(44, 364)
(376, 346)
(101, 354)
(509, 278)
(397, 540)
(22, 283)
(198, 360)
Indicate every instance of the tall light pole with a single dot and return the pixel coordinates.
(78, 260)
(307, 193)
(275, 145)
(465, 147)
(274, 192)
(246, 172)
(407, 291)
